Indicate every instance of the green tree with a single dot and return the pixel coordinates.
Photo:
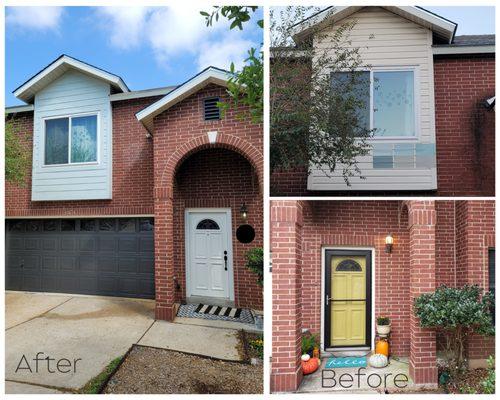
(457, 313)
(317, 97)
(246, 86)
(17, 155)
(255, 263)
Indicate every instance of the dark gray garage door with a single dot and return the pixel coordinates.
(102, 256)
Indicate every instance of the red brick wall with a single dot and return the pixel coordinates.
(132, 171)
(181, 132)
(465, 131)
(220, 178)
(476, 234)
(366, 223)
(360, 224)
(286, 246)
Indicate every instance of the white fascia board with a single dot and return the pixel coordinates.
(86, 68)
(18, 109)
(141, 94)
(444, 50)
(437, 23)
(211, 75)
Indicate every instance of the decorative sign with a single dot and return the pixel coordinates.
(245, 233)
(345, 362)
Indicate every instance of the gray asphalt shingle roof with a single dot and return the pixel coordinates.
(474, 40)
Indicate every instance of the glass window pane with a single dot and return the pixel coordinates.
(68, 225)
(87, 225)
(84, 139)
(146, 224)
(126, 225)
(16, 225)
(207, 224)
(107, 225)
(393, 103)
(50, 225)
(56, 141)
(34, 226)
(353, 86)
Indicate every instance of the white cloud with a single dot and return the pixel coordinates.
(125, 24)
(222, 53)
(174, 31)
(34, 18)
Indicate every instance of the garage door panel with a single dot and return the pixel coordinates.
(49, 244)
(32, 243)
(107, 244)
(115, 261)
(87, 243)
(68, 243)
(49, 263)
(146, 266)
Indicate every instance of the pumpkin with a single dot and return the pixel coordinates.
(382, 347)
(378, 360)
(309, 366)
(305, 357)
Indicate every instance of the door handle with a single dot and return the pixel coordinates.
(225, 260)
(327, 299)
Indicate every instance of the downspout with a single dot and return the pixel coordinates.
(455, 242)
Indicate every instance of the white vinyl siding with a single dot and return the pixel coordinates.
(74, 94)
(389, 42)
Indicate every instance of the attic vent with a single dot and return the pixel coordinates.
(210, 110)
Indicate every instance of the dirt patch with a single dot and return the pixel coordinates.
(469, 382)
(250, 345)
(151, 370)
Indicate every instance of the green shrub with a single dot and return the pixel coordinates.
(383, 321)
(255, 263)
(309, 342)
(489, 383)
(457, 313)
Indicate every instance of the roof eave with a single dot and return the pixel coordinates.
(206, 77)
(463, 49)
(27, 95)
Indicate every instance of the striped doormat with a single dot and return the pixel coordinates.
(218, 310)
(206, 311)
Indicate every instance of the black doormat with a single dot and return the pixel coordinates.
(207, 311)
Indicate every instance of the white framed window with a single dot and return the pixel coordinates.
(389, 100)
(71, 140)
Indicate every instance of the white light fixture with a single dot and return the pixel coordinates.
(389, 241)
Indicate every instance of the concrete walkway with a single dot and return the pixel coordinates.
(219, 343)
(87, 333)
(373, 380)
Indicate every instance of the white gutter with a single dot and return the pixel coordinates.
(17, 109)
(444, 50)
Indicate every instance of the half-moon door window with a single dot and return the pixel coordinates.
(349, 266)
(207, 224)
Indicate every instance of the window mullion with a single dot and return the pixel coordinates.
(371, 100)
(69, 139)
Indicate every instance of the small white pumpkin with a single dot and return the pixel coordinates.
(378, 360)
(305, 357)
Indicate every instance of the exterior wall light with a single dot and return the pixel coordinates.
(244, 212)
(389, 240)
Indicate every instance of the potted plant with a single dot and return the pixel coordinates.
(309, 342)
(383, 325)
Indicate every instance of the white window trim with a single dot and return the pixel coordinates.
(416, 102)
(70, 116)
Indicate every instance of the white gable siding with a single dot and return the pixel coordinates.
(388, 40)
(73, 93)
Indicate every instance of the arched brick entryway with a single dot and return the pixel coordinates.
(198, 154)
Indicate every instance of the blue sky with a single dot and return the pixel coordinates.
(147, 47)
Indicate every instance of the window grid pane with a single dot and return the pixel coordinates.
(393, 103)
(56, 141)
(84, 139)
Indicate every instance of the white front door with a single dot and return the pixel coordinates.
(209, 271)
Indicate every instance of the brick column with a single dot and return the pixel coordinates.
(286, 236)
(422, 226)
(164, 255)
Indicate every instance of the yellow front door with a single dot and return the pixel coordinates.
(348, 300)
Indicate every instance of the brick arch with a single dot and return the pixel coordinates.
(225, 141)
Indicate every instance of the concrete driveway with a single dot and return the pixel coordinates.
(83, 334)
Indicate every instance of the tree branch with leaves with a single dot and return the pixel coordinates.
(245, 86)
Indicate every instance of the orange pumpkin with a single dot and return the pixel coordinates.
(309, 366)
(382, 347)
